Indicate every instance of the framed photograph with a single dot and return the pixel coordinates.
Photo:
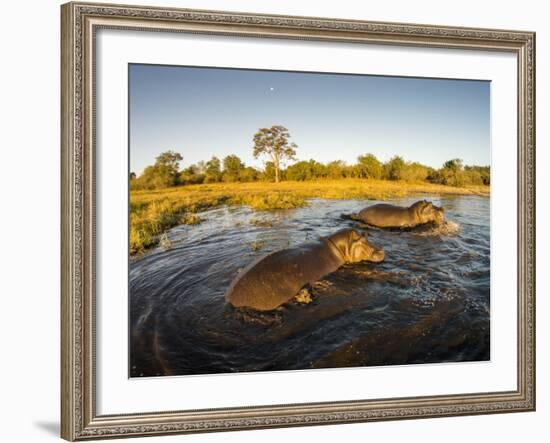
(283, 221)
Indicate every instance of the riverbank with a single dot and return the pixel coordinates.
(153, 212)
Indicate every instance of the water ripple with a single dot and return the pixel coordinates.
(427, 302)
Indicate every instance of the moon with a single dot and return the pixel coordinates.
(271, 89)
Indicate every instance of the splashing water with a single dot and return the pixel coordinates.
(446, 228)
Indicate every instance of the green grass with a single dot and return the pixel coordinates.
(154, 212)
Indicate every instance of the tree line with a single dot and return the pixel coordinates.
(273, 143)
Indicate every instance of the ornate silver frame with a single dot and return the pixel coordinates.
(80, 21)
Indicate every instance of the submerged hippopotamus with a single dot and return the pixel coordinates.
(276, 278)
(390, 216)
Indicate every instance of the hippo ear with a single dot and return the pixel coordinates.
(354, 235)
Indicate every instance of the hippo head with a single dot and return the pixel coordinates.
(355, 247)
(427, 212)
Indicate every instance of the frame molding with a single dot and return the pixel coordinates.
(79, 21)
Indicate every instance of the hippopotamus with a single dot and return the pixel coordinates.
(276, 278)
(390, 216)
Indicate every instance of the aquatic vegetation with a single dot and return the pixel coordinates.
(304, 296)
(256, 245)
(165, 242)
(191, 219)
(262, 223)
(321, 285)
(152, 212)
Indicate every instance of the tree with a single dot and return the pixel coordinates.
(169, 160)
(248, 174)
(479, 173)
(452, 172)
(299, 171)
(273, 142)
(201, 167)
(213, 171)
(394, 168)
(415, 171)
(318, 170)
(191, 175)
(369, 166)
(336, 169)
(269, 172)
(163, 173)
(232, 166)
(453, 165)
(306, 170)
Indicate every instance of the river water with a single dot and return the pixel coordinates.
(428, 302)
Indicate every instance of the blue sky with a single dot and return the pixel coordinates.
(201, 112)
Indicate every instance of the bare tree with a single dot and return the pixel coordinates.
(273, 142)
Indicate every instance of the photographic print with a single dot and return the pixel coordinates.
(300, 220)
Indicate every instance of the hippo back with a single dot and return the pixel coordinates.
(276, 278)
(385, 215)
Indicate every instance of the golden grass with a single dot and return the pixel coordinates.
(153, 212)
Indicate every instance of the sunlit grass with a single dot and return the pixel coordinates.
(153, 212)
(190, 219)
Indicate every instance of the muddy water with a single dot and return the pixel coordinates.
(427, 302)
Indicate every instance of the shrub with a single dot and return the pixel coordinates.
(414, 172)
(306, 170)
(393, 169)
(368, 166)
